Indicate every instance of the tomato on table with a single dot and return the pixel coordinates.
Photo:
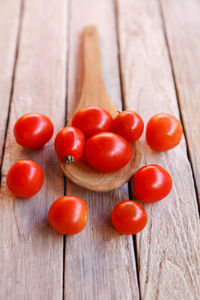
(69, 144)
(163, 132)
(107, 151)
(129, 217)
(33, 130)
(92, 119)
(68, 215)
(25, 178)
(128, 124)
(151, 183)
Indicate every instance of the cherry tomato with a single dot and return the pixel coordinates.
(129, 217)
(107, 151)
(69, 144)
(91, 120)
(163, 132)
(68, 215)
(129, 125)
(151, 183)
(33, 130)
(25, 178)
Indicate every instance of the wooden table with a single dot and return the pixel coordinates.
(151, 60)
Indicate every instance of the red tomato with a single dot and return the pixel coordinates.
(129, 125)
(129, 217)
(25, 178)
(163, 132)
(69, 144)
(107, 151)
(68, 215)
(33, 130)
(151, 183)
(91, 120)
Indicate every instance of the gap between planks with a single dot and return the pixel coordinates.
(12, 82)
(68, 7)
(130, 193)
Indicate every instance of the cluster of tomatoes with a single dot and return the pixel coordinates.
(105, 144)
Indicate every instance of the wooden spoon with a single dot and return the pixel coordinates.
(94, 94)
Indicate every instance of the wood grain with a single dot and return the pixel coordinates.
(168, 249)
(99, 263)
(94, 94)
(183, 34)
(9, 25)
(31, 253)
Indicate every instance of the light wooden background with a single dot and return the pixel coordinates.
(151, 61)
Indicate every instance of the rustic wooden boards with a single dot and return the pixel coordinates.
(31, 253)
(99, 263)
(168, 249)
(183, 34)
(9, 28)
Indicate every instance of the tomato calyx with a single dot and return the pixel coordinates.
(69, 159)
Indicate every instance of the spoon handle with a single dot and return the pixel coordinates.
(92, 56)
(93, 89)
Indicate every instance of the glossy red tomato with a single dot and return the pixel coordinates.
(68, 215)
(91, 120)
(129, 217)
(33, 130)
(69, 144)
(129, 125)
(151, 183)
(25, 178)
(163, 132)
(107, 151)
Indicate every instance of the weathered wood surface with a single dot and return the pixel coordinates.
(9, 27)
(183, 34)
(168, 249)
(31, 253)
(99, 263)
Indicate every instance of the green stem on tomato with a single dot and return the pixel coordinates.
(69, 159)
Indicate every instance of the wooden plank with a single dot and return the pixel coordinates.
(182, 24)
(9, 25)
(168, 249)
(99, 263)
(31, 253)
